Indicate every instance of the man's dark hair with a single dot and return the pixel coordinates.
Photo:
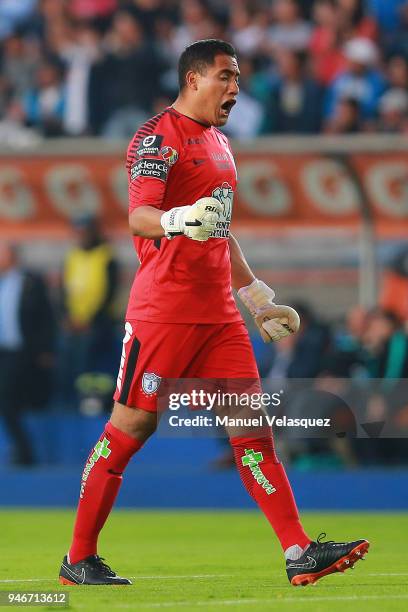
(201, 54)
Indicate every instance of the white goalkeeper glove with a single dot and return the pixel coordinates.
(273, 320)
(196, 222)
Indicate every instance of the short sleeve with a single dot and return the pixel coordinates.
(150, 159)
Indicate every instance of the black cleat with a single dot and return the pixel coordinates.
(91, 570)
(324, 558)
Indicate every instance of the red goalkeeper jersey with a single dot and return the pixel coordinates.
(172, 161)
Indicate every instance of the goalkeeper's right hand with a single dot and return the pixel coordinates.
(196, 222)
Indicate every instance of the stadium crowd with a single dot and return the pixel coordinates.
(100, 67)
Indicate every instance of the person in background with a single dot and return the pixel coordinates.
(247, 116)
(89, 286)
(354, 21)
(44, 104)
(325, 50)
(393, 109)
(301, 356)
(361, 80)
(397, 72)
(346, 119)
(27, 334)
(14, 14)
(124, 82)
(295, 103)
(395, 39)
(289, 30)
(78, 53)
(394, 291)
(385, 357)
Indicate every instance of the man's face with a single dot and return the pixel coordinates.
(216, 90)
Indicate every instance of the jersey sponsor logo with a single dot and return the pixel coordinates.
(153, 168)
(252, 459)
(150, 145)
(150, 382)
(169, 155)
(225, 195)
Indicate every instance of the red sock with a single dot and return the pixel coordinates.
(100, 484)
(265, 480)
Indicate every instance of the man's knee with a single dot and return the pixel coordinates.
(140, 424)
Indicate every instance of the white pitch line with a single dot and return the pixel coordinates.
(246, 602)
(181, 576)
(388, 574)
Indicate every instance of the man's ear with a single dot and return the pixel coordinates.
(192, 80)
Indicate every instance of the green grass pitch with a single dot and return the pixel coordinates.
(184, 560)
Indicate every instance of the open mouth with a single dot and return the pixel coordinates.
(226, 107)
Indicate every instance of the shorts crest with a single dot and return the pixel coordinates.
(150, 382)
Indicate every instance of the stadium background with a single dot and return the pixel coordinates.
(320, 137)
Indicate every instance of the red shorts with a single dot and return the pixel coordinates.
(155, 351)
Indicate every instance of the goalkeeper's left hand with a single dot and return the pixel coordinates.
(273, 320)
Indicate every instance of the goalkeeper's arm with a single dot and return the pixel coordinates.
(273, 321)
(197, 221)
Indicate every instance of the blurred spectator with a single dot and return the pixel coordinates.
(386, 13)
(13, 132)
(92, 9)
(147, 12)
(79, 57)
(353, 20)
(295, 103)
(289, 30)
(346, 119)
(13, 14)
(19, 62)
(361, 80)
(248, 29)
(248, 114)
(44, 104)
(123, 84)
(110, 47)
(350, 339)
(397, 72)
(386, 357)
(394, 292)
(325, 48)
(399, 40)
(302, 355)
(197, 23)
(89, 287)
(26, 348)
(393, 109)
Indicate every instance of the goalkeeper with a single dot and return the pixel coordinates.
(182, 321)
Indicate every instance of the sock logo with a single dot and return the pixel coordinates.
(100, 450)
(252, 459)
